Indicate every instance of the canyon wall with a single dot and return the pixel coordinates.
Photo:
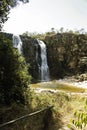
(66, 54)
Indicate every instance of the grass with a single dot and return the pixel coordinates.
(64, 108)
(65, 104)
(66, 101)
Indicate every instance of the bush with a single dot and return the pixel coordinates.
(14, 77)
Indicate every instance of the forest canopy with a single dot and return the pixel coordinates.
(14, 76)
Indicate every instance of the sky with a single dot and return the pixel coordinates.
(42, 15)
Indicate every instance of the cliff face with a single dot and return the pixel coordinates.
(30, 48)
(66, 54)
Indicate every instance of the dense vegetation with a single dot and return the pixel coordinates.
(64, 112)
(14, 77)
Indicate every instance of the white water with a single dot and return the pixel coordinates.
(17, 43)
(44, 69)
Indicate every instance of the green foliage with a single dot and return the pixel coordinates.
(80, 120)
(14, 78)
(5, 6)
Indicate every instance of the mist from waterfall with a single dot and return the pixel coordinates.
(17, 43)
(44, 69)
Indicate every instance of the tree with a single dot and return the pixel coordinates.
(82, 31)
(14, 77)
(61, 30)
(5, 6)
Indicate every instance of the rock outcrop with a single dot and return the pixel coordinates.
(66, 54)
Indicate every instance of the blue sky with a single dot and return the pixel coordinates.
(42, 15)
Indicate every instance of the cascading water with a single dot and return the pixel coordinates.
(44, 69)
(17, 43)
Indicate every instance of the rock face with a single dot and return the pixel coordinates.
(66, 54)
(30, 47)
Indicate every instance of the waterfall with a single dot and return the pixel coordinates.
(44, 69)
(17, 43)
